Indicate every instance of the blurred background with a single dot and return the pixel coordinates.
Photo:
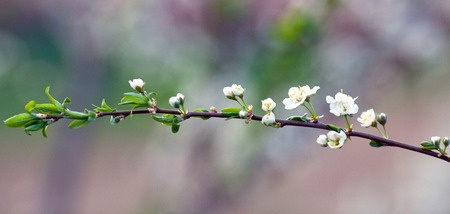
(393, 55)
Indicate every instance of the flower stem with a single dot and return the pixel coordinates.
(385, 133)
(349, 128)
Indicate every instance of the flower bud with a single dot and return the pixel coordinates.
(243, 114)
(268, 119)
(445, 141)
(180, 98)
(174, 102)
(382, 118)
(436, 140)
(322, 140)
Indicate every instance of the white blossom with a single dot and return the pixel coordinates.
(298, 95)
(268, 119)
(342, 104)
(268, 104)
(336, 140)
(233, 91)
(237, 90)
(322, 140)
(368, 118)
(136, 84)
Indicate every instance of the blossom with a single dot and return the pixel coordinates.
(268, 104)
(368, 118)
(322, 140)
(342, 104)
(233, 91)
(336, 140)
(268, 119)
(137, 84)
(298, 95)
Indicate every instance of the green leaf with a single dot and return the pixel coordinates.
(36, 126)
(76, 124)
(175, 128)
(134, 98)
(167, 119)
(20, 120)
(67, 101)
(75, 115)
(91, 115)
(334, 128)
(30, 106)
(46, 108)
(202, 110)
(104, 107)
(299, 118)
(231, 112)
(427, 145)
(44, 131)
(376, 144)
(55, 102)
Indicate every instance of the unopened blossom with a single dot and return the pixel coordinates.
(368, 118)
(336, 140)
(268, 104)
(174, 102)
(243, 114)
(180, 98)
(436, 140)
(233, 91)
(322, 140)
(137, 84)
(268, 119)
(298, 95)
(342, 104)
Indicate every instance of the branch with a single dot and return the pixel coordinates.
(282, 123)
(39, 116)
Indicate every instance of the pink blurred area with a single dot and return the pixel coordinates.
(393, 56)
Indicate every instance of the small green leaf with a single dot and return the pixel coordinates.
(202, 110)
(67, 101)
(134, 98)
(299, 118)
(175, 128)
(91, 115)
(20, 120)
(30, 106)
(76, 124)
(231, 112)
(427, 145)
(104, 107)
(36, 126)
(55, 102)
(46, 108)
(376, 144)
(75, 115)
(166, 119)
(334, 128)
(44, 131)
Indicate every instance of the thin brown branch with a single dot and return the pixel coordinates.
(315, 125)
